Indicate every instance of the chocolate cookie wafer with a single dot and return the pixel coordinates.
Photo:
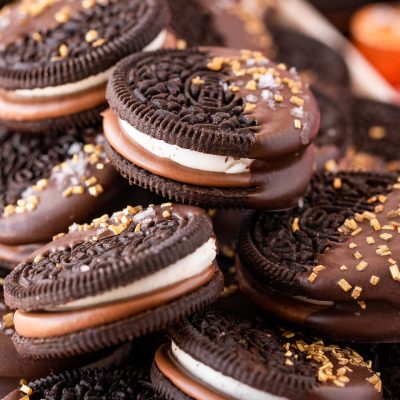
(331, 263)
(216, 127)
(219, 354)
(110, 383)
(56, 56)
(47, 182)
(121, 277)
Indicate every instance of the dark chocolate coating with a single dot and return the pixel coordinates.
(282, 251)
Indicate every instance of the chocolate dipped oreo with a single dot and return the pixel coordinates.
(215, 127)
(104, 383)
(47, 183)
(330, 264)
(14, 369)
(220, 354)
(56, 56)
(374, 136)
(118, 278)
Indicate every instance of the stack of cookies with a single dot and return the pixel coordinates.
(194, 205)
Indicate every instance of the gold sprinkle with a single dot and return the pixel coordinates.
(362, 305)
(357, 255)
(386, 236)
(37, 259)
(375, 224)
(337, 183)
(88, 3)
(392, 261)
(197, 81)
(166, 214)
(99, 166)
(352, 245)
(78, 189)
(215, 64)
(361, 266)
(297, 123)
(382, 198)
(59, 236)
(251, 85)
(91, 35)
(313, 276)
(295, 225)
(394, 270)
(181, 44)
(318, 268)
(249, 107)
(98, 42)
(63, 50)
(90, 181)
(378, 209)
(383, 250)
(376, 132)
(138, 227)
(296, 100)
(8, 320)
(343, 268)
(164, 205)
(26, 389)
(278, 98)
(288, 335)
(9, 210)
(355, 294)
(63, 15)
(344, 285)
(370, 240)
(96, 190)
(288, 362)
(234, 88)
(338, 383)
(331, 166)
(37, 37)
(374, 280)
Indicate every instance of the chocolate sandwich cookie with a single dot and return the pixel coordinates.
(375, 137)
(47, 182)
(219, 354)
(110, 383)
(13, 368)
(331, 263)
(118, 278)
(213, 126)
(56, 56)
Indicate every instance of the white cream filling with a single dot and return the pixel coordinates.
(185, 268)
(187, 158)
(219, 382)
(312, 301)
(84, 84)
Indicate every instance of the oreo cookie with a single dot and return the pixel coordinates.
(375, 137)
(110, 383)
(47, 182)
(215, 127)
(221, 354)
(56, 56)
(331, 263)
(120, 277)
(14, 369)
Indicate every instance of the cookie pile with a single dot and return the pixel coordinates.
(193, 205)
